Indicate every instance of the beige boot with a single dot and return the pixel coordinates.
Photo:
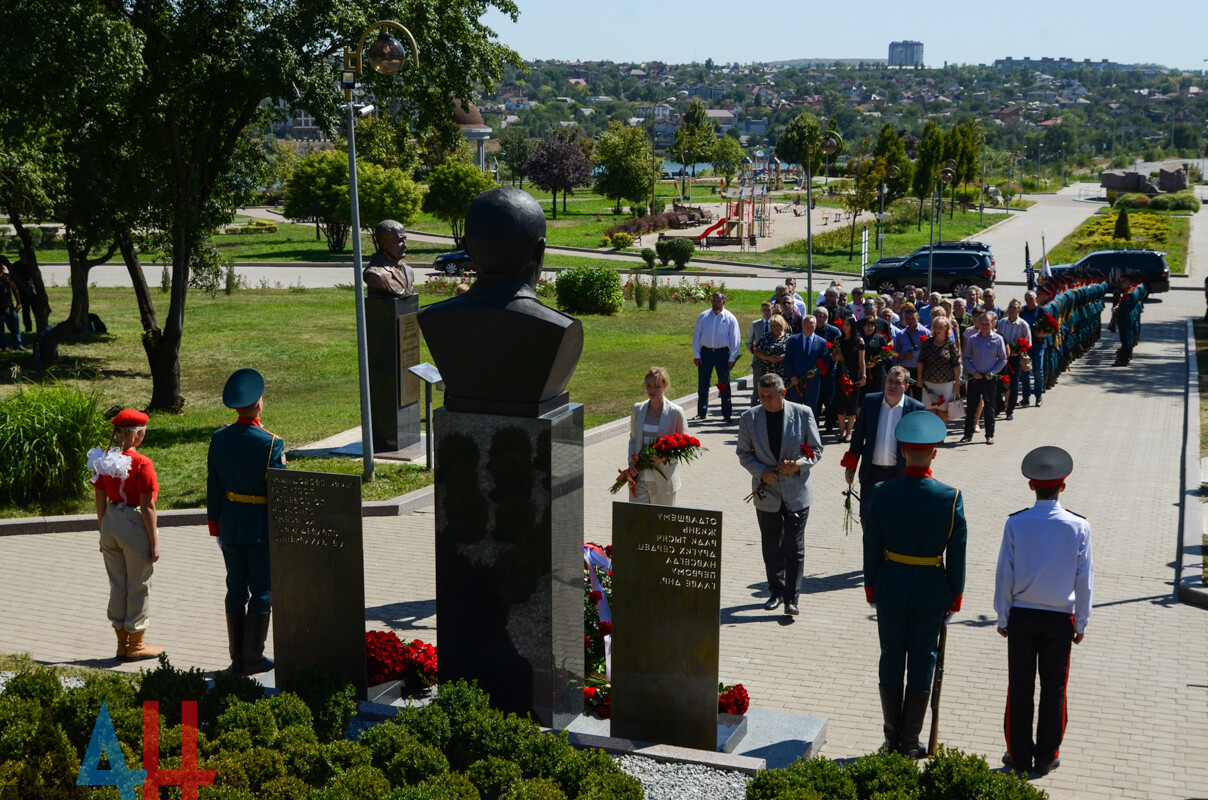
(122, 639)
(136, 648)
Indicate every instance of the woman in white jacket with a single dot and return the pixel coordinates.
(649, 421)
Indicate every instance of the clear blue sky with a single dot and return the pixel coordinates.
(1173, 33)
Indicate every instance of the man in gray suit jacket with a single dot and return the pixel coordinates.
(778, 443)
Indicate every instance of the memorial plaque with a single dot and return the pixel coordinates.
(392, 331)
(408, 356)
(318, 573)
(666, 624)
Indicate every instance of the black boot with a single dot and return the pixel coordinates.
(891, 712)
(914, 708)
(254, 633)
(235, 642)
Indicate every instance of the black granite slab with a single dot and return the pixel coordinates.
(393, 338)
(666, 624)
(509, 558)
(318, 573)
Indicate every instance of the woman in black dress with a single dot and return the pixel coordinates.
(850, 366)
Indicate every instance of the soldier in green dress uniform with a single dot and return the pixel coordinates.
(241, 455)
(914, 574)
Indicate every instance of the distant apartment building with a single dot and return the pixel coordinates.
(1056, 65)
(906, 54)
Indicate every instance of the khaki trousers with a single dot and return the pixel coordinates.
(125, 548)
(647, 492)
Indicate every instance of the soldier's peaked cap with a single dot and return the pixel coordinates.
(1047, 466)
(920, 430)
(243, 388)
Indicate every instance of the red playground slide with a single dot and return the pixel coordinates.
(718, 226)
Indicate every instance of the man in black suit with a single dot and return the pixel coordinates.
(874, 450)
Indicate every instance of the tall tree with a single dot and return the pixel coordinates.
(727, 157)
(558, 166)
(451, 187)
(695, 137)
(799, 143)
(927, 165)
(626, 165)
(514, 150)
(864, 194)
(891, 147)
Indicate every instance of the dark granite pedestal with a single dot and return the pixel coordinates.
(509, 558)
(392, 330)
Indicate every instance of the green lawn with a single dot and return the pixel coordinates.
(304, 342)
(828, 256)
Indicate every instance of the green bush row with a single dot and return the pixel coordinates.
(589, 290)
(45, 434)
(285, 747)
(949, 775)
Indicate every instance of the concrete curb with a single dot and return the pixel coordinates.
(1189, 584)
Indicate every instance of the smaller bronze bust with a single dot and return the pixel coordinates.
(387, 275)
(498, 348)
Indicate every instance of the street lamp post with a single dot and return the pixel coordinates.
(831, 141)
(1039, 155)
(981, 209)
(386, 57)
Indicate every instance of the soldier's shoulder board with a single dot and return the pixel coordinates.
(1075, 513)
(1020, 511)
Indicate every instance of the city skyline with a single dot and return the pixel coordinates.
(632, 31)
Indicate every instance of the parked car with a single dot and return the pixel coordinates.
(1115, 263)
(454, 263)
(955, 267)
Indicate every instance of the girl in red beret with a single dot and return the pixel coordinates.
(126, 488)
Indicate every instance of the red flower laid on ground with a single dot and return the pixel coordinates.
(383, 656)
(596, 597)
(734, 700)
(586, 642)
(606, 709)
(589, 692)
(605, 628)
(420, 660)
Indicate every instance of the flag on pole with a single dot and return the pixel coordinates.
(1027, 266)
(1045, 272)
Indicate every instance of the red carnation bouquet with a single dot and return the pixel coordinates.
(1046, 325)
(420, 660)
(732, 699)
(1018, 346)
(762, 489)
(886, 352)
(675, 447)
(388, 659)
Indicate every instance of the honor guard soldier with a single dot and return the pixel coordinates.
(1042, 594)
(914, 574)
(236, 507)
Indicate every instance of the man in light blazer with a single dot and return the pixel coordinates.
(874, 449)
(778, 443)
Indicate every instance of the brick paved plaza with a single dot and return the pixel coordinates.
(1138, 691)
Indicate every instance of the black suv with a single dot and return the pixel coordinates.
(955, 267)
(1114, 263)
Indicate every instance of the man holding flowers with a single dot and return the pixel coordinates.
(1016, 332)
(778, 443)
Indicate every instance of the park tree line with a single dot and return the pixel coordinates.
(138, 126)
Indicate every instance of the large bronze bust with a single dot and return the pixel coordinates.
(387, 275)
(498, 348)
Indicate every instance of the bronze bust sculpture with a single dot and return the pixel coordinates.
(498, 348)
(387, 275)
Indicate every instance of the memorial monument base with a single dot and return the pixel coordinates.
(509, 558)
(392, 330)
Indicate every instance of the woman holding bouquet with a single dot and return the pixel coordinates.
(649, 421)
(939, 369)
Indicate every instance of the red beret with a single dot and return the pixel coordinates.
(128, 417)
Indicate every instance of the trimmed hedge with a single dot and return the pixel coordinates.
(589, 290)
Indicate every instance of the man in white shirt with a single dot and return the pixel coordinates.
(715, 346)
(1042, 595)
(874, 447)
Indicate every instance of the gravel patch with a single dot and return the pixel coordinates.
(680, 781)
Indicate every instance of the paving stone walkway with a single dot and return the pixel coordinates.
(1138, 691)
